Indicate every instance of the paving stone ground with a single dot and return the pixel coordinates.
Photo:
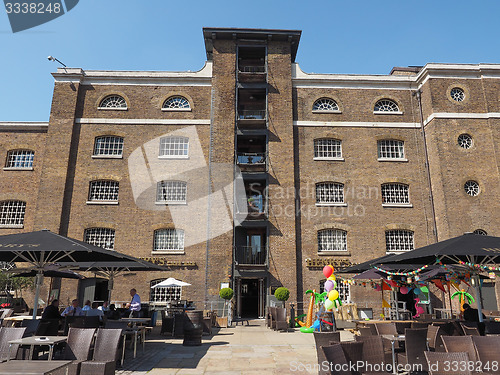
(240, 350)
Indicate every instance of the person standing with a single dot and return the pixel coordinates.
(73, 309)
(135, 305)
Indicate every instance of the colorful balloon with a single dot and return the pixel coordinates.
(332, 277)
(333, 295)
(424, 289)
(329, 304)
(416, 291)
(329, 285)
(327, 271)
(403, 290)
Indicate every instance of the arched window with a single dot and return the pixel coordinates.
(108, 146)
(329, 193)
(325, 105)
(386, 105)
(101, 237)
(398, 240)
(103, 191)
(113, 102)
(12, 214)
(163, 295)
(394, 193)
(20, 159)
(166, 240)
(327, 148)
(332, 240)
(176, 103)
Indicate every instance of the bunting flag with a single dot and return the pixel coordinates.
(439, 284)
(385, 286)
(385, 304)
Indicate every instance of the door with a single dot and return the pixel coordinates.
(249, 298)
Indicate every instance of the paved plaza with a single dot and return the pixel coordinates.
(240, 350)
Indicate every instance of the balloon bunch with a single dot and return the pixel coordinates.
(333, 299)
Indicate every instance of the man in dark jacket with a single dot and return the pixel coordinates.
(52, 311)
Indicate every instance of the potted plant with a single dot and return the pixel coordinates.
(226, 294)
(282, 294)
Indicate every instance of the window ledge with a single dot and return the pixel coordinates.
(171, 252)
(408, 205)
(176, 109)
(103, 202)
(387, 112)
(177, 157)
(12, 226)
(403, 160)
(335, 252)
(112, 109)
(107, 156)
(396, 252)
(331, 204)
(317, 111)
(332, 159)
(167, 203)
(17, 169)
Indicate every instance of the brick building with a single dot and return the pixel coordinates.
(254, 173)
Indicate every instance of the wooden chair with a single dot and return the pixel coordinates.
(455, 344)
(439, 363)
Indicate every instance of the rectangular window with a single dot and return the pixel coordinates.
(395, 194)
(109, 146)
(329, 193)
(171, 192)
(20, 159)
(174, 147)
(103, 191)
(12, 214)
(327, 149)
(166, 240)
(391, 149)
(332, 240)
(101, 237)
(398, 240)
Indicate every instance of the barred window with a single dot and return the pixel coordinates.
(398, 240)
(162, 295)
(457, 94)
(325, 104)
(343, 288)
(391, 149)
(482, 232)
(103, 190)
(327, 148)
(174, 147)
(464, 141)
(329, 192)
(101, 237)
(395, 194)
(332, 240)
(108, 145)
(113, 101)
(12, 213)
(176, 103)
(171, 191)
(168, 240)
(386, 105)
(472, 188)
(22, 159)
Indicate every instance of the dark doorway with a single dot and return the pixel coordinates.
(249, 298)
(95, 289)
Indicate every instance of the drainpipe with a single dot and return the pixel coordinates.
(418, 94)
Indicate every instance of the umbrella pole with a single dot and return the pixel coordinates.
(449, 298)
(38, 282)
(477, 286)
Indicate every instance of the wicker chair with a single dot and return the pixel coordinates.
(281, 323)
(333, 355)
(492, 328)
(416, 325)
(105, 353)
(51, 328)
(91, 322)
(434, 341)
(268, 317)
(401, 326)
(473, 331)
(126, 331)
(72, 321)
(365, 331)
(353, 352)
(31, 326)
(273, 317)
(439, 363)
(7, 334)
(324, 339)
(487, 351)
(415, 346)
(454, 344)
(373, 350)
(386, 329)
(77, 348)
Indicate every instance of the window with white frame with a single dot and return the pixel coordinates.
(332, 240)
(20, 159)
(108, 146)
(176, 103)
(329, 193)
(163, 295)
(472, 188)
(398, 240)
(325, 105)
(174, 147)
(171, 191)
(103, 191)
(343, 288)
(113, 102)
(101, 237)
(391, 149)
(394, 193)
(12, 213)
(327, 148)
(386, 105)
(168, 240)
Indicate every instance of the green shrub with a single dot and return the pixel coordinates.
(226, 293)
(282, 294)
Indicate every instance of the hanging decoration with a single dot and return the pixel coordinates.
(411, 273)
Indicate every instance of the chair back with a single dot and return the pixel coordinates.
(334, 355)
(416, 325)
(91, 322)
(373, 349)
(415, 346)
(365, 331)
(492, 328)
(6, 313)
(117, 324)
(72, 321)
(78, 344)
(487, 351)
(434, 341)
(401, 326)
(324, 339)
(106, 344)
(353, 352)
(7, 334)
(473, 331)
(52, 328)
(31, 326)
(386, 329)
(439, 363)
(280, 314)
(454, 344)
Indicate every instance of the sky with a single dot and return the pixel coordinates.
(355, 37)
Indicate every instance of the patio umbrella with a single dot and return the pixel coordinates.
(43, 247)
(49, 270)
(170, 282)
(478, 252)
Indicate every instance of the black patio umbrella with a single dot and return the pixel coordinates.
(49, 270)
(43, 247)
(478, 252)
(365, 266)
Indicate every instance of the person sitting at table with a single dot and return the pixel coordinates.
(73, 309)
(470, 314)
(135, 305)
(52, 310)
(86, 307)
(104, 307)
(94, 311)
(112, 313)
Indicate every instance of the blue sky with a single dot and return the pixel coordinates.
(357, 36)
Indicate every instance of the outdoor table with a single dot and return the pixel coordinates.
(12, 320)
(36, 341)
(444, 313)
(393, 340)
(136, 329)
(34, 367)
